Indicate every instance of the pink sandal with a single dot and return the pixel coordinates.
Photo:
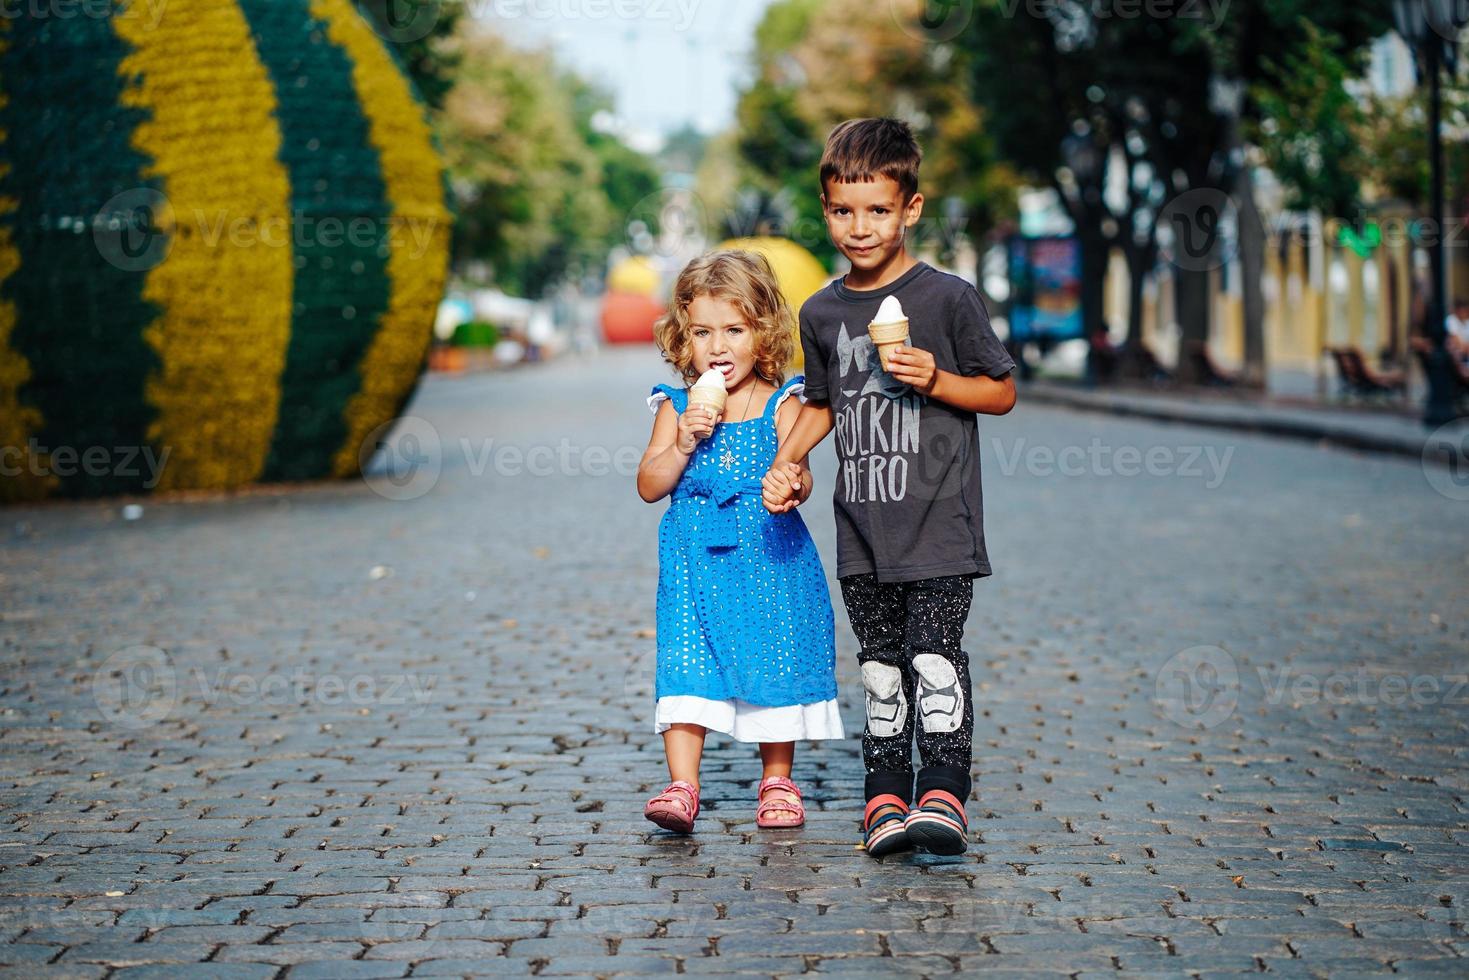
(777, 813)
(675, 808)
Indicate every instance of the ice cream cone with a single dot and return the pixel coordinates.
(705, 396)
(887, 337)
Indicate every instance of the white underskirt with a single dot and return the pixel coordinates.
(745, 722)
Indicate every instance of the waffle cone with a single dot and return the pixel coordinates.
(888, 337)
(710, 398)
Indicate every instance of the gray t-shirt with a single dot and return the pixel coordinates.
(907, 493)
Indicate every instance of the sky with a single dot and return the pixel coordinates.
(666, 62)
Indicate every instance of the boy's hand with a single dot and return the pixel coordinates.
(793, 475)
(696, 423)
(915, 367)
(778, 489)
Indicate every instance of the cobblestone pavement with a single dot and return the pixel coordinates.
(323, 732)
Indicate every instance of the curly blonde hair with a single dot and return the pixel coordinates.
(745, 280)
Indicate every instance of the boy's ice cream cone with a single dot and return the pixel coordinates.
(709, 392)
(888, 329)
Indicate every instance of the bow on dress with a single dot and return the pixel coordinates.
(720, 528)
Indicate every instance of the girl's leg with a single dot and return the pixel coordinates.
(677, 806)
(684, 746)
(779, 804)
(776, 758)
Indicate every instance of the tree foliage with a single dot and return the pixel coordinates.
(541, 191)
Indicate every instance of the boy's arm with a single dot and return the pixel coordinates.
(777, 488)
(813, 425)
(984, 383)
(981, 394)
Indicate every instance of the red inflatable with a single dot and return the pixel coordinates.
(628, 318)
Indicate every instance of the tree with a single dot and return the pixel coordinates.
(1145, 90)
(854, 62)
(541, 191)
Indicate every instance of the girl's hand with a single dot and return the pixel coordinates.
(793, 478)
(915, 367)
(694, 425)
(780, 489)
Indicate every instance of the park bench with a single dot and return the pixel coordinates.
(1357, 378)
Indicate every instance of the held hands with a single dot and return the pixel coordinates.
(694, 425)
(781, 488)
(915, 367)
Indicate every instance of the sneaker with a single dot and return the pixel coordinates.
(938, 824)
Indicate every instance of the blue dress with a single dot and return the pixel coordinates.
(743, 610)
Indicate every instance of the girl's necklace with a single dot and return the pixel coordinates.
(726, 459)
(750, 399)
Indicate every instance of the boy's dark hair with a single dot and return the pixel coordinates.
(865, 149)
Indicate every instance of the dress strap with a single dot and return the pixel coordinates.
(662, 393)
(795, 386)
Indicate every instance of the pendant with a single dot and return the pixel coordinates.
(727, 459)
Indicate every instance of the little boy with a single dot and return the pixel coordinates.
(909, 518)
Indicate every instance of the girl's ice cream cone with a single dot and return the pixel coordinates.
(888, 329)
(709, 392)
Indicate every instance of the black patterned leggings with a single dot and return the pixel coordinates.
(914, 671)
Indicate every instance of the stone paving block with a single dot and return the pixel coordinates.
(497, 837)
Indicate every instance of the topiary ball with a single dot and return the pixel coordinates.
(223, 239)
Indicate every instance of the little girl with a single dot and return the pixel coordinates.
(745, 635)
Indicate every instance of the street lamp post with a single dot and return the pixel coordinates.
(1431, 28)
